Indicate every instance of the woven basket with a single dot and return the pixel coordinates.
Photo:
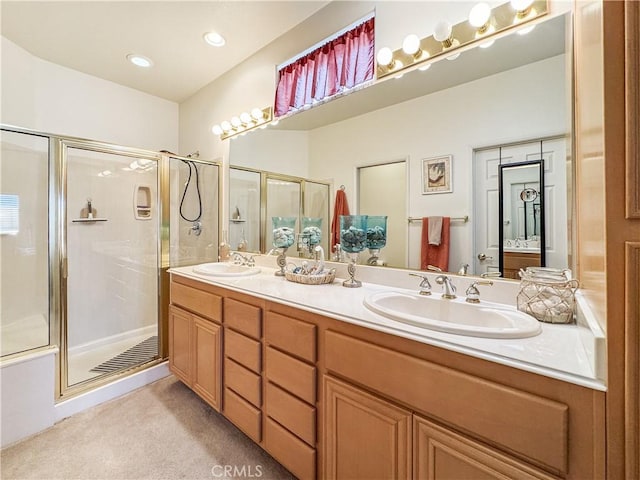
(310, 279)
(548, 301)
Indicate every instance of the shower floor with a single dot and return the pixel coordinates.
(80, 364)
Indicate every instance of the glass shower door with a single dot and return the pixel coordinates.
(24, 252)
(112, 244)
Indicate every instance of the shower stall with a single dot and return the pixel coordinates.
(87, 233)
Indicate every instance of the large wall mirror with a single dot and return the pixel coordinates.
(488, 100)
(257, 196)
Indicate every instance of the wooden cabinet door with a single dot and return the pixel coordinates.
(441, 454)
(207, 343)
(180, 344)
(365, 436)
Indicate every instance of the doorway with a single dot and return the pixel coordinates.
(382, 190)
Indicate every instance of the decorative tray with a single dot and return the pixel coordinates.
(323, 278)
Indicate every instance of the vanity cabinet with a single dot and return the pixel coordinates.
(514, 261)
(195, 340)
(365, 436)
(291, 392)
(243, 366)
(330, 399)
(440, 453)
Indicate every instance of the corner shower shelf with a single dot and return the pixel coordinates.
(88, 220)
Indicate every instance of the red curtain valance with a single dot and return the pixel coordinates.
(338, 65)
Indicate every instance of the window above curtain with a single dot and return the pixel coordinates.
(339, 65)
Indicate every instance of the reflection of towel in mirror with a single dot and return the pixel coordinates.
(435, 230)
(436, 255)
(341, 207)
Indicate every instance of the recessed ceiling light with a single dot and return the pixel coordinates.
(139, 60)
(215, 39)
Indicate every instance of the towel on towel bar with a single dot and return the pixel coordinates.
(435, 230)
(436, 255)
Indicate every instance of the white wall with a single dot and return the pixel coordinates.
(524, 103)
(112, 280)
(43, 96)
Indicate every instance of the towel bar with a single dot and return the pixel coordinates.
(464, 219)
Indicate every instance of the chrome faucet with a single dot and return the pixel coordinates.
(491, 274)
(425, 285)
(473, 294)
(239, 259)
(448, 287)
(464, 268)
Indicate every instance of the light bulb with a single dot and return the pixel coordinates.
(245, 118)
(424, 68)
(236, 122)
(442, 31)
(521, 5)
(479, 15)
(275, 122)
(385, 57)
(524, 31)
(214, 39)
(411, 44)
(139, 60)
(226, 126)
(257, 114)
(217, 130)
(487, 44)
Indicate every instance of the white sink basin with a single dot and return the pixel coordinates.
(225, 270)
(454, 316)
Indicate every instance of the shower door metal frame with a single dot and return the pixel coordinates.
(264, 177)
(62, 144)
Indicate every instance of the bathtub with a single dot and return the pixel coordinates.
(27, 393)
(24, 334)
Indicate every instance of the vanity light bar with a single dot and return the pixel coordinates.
(501, 19)
(246, 121)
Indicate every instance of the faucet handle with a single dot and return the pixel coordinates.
(473, 294)
(425, 285)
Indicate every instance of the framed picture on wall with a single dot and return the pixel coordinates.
(436, 175)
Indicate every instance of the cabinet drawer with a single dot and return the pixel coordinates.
(198, 301)
(243, 415)
(533, 426)
(294, 414)
(291, 335)
(243, 350)
(291, 374)
(242, 381)
(293, 453)
(243, 317)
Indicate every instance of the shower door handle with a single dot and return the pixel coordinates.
(64, 267)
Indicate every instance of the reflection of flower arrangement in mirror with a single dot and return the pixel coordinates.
(283, 231)
(311, 229)
(376, 237)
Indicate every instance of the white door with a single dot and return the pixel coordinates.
(485, 212)
(486, 200)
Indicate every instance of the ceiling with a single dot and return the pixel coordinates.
(95, 37)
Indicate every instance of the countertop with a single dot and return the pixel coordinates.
(564, 352)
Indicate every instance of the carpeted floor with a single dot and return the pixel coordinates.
(162, 431)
